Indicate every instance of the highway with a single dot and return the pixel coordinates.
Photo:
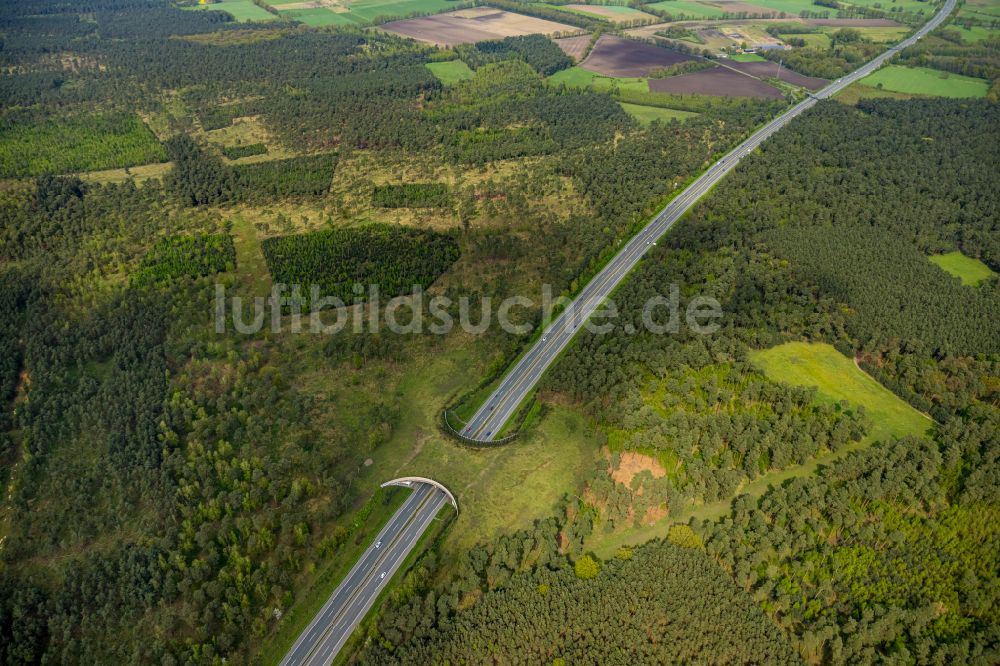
(332, 626)
(487, 423)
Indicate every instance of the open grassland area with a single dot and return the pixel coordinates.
(877, 34)
(241, 10)
(914, 6)
(748, 57)
(858, 91)
(357, 12)
(970, 271)
(612, 13)
(925, 81)
(31, 145)
(815, 40)
(984, 10)
(451, 72)
(791, 8)
(578, 77)
(647, 114)
(686, 8)
(837, 378)
(975, 33)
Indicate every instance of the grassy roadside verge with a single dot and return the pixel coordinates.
(319, 584)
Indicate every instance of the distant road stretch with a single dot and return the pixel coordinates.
(329, 630)
(486, 424)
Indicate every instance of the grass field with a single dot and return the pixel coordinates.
(837, 378)
(852, 93)
(975, 33)
(925, 81)
(970, 271)
(791, 7)
(612, 13)
(902, 5)
(748, 57)
(577, 77)
(687, 8)
(816, 40)
(647, 114)
(878, 34)
(360, 12)
(241, 10)
(451, 72)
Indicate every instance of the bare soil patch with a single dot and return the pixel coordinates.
(771, 70)
(720, 82)
(614, 56)
(632, 463)
(474, 25)
(574, 47)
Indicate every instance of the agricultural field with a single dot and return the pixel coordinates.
(925, 81)
(915, 6)
(578, 77)
(612, 13)
(574, 47)
(837, 378)
(355, 12)
(615, 56)
(647, 114)
(747, 57)
(716, 82)
(974, 33)
(791, 8)
(764, 69)
(970, 271)
(982, 10)
(241, 10)
(688, 9)
(33, 144)
(711, 35)
(450, 72)
(858, 91)
(474, 25)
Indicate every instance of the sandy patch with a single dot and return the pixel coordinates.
(632, 463)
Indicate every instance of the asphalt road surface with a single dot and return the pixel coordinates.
(486, 424)
(329, 630)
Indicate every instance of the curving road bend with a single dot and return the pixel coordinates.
(332, 626)
(486, 424)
